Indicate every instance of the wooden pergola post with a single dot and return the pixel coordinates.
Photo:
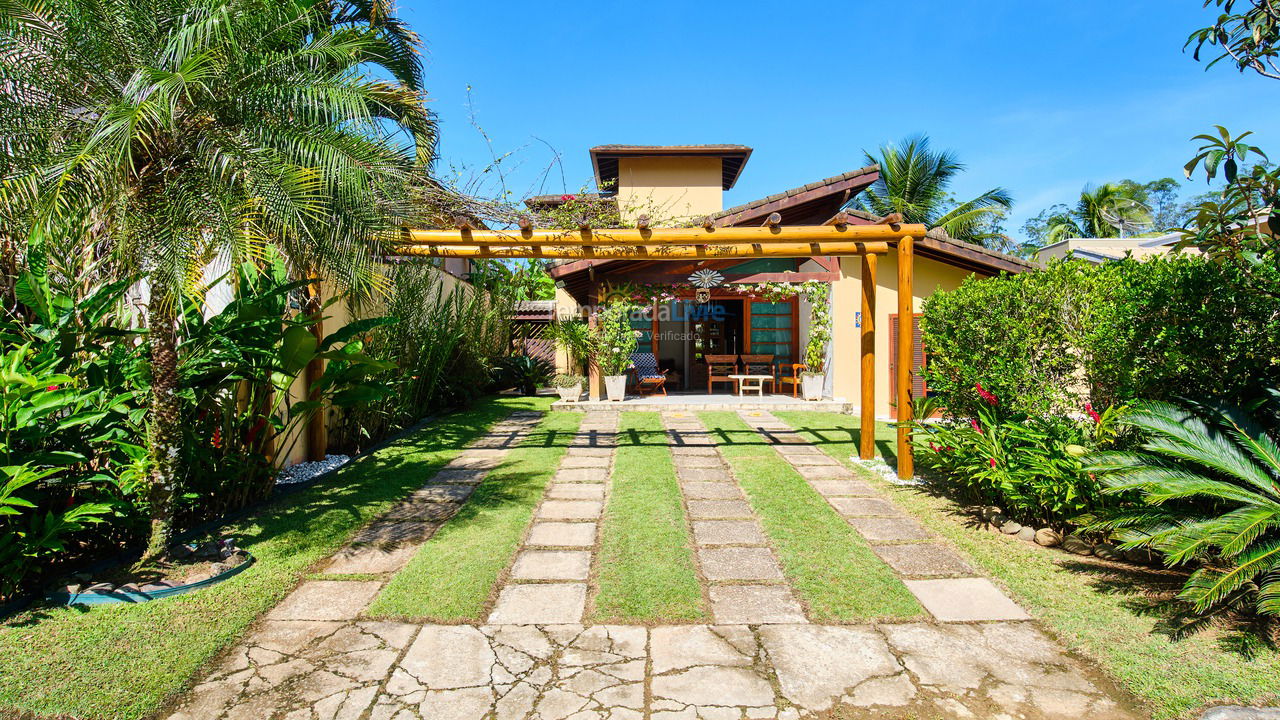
(867, 440)
(594, 380)
(906, 354)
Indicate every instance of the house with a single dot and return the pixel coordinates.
(1100, 250)
(687, 182)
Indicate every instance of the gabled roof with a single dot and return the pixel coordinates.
(604, 159)
(810, 204)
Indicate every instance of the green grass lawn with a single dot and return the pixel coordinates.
(122, 661)
(828, 563)
(1104, 614)
(453, 576)
(646, 572)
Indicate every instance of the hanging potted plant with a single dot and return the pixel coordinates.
(613, 342)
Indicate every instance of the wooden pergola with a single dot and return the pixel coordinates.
(835, 238)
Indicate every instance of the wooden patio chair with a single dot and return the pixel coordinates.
(719, 368)
(794, 380)
(761, 365)
(648, 378)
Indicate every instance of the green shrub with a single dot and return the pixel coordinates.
(1110, 334)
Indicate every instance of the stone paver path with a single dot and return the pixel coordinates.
(953, 591)
(548, 581)
(746, 585)
(316, 658)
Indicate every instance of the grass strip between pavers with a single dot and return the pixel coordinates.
(122, 661)
(1090, 610)
(453, 575)
(646, 572)
(828, 563)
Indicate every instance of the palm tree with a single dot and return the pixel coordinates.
(914, 179)
(182, 130)
(1097, 211)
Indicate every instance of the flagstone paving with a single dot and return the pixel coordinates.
(315, 658)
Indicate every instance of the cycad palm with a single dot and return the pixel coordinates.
(913, 182)
(1212, 494)
(180, 130)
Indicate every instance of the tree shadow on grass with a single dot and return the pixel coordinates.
(1152, 592)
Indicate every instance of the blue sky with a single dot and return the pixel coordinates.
(1040, 97)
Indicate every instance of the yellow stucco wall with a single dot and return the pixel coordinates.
(930, 276)
(669, 188)
(293, 448)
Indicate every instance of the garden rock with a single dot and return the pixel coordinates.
(100, 588)
(1107, 551)
(1027, 534)
(991, 512)
(1077, 545)
(129, 588)
(1010, 527)
(1140, 556)
(1048, 537)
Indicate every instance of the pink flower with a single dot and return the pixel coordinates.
(974, 424)
(1097, 419)
(986, 395)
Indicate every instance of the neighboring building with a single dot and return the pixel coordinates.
(688, 182)
(1100, 250)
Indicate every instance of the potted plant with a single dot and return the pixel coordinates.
(613, 342)
(568, 386)
(814, 377)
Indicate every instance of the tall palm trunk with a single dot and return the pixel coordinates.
(163, 431)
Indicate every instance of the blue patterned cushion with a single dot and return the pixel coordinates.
(646, 366)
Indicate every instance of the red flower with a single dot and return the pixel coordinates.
(974, 424)
(932, 447)
(993, 461)
(51, 388)
(568, 198)
(1097, 419)
(217, 437)
(987, 396)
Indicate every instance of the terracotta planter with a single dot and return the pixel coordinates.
(811, 386)
(570, 394)
(615, 387)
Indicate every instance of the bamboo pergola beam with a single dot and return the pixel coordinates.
(645, 252)
(766, 234)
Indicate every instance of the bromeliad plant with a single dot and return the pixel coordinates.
(1209, 481)
(1029, 466)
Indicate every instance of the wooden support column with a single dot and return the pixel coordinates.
(867, 444)
(318, 424)
(594, 381)
(906, 354)
(653, 330)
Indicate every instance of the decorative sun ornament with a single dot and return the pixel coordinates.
(706, 278)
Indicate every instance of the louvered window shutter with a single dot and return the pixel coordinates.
(918, 387)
